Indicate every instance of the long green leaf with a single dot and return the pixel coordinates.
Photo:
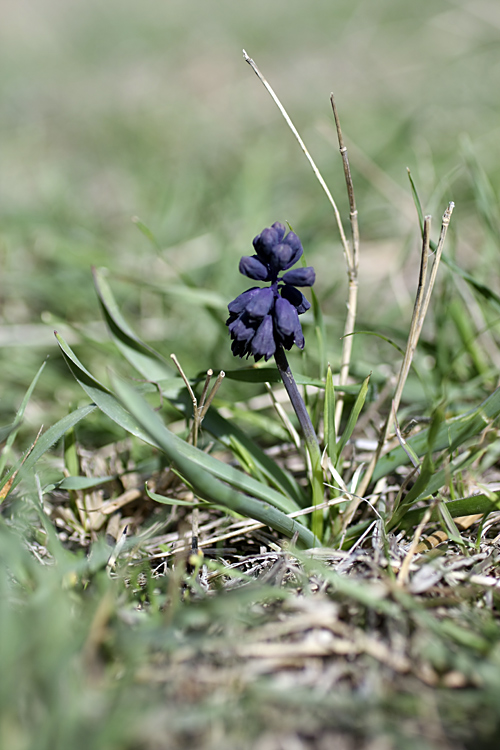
(174, 500)
(464, 506)
(46, 441)
(145, 359)
(353, 416)
(206, 485)
(329, 418)
(78, 483)
(109, 404)
(18, 419)
(271, 375)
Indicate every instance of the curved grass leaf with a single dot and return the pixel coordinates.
(271, 375)
(78, 483)
(278, 478)
(353, 416)
(174, 500)
(206, 485)
(145, 359)
(44, 442)
(109, 404)
(329, 418)
(13, 428)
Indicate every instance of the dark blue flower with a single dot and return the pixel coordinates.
(263, 318)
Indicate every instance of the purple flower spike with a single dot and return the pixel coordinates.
(263, 319)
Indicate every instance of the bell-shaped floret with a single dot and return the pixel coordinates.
(296, 246)
(254, 268)
(241, 329)
(281, 255)
(261, 303)
(287, 324)
(239, 304)
(263, 343)
(296, 298)
(300, 276)
(285, 316)
(267, 239)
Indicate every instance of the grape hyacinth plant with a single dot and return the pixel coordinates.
(264, 321)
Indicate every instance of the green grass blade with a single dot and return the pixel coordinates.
(464, 506)
(416, 200)
(319, 327)
(175, 501)
(435, 482)
(71, 460)
(419, 488)
(79, 483)
(279, 478)
(449, 524)
(206, 485)
(148, 362)
(488, 294)
(18, 419)
(467, 334)
(353, 416)
(329, 418)
(46, 441)
(147, 232)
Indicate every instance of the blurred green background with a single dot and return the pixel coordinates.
(121, 109)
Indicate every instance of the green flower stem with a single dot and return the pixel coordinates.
(310, 438)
